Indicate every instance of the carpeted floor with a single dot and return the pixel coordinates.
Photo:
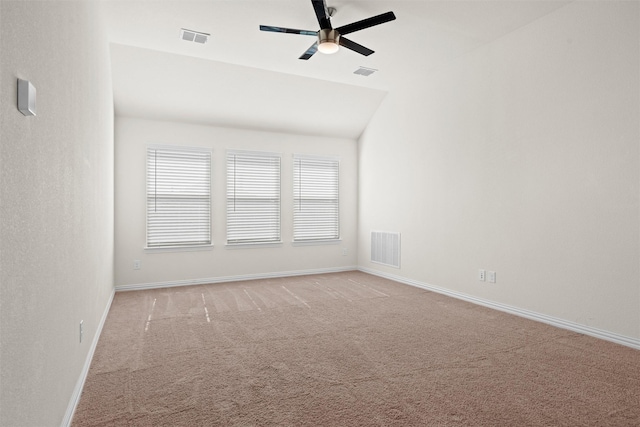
(345, 349)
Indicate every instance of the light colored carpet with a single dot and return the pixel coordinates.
(345, 349)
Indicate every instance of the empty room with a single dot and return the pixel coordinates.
(319, 213)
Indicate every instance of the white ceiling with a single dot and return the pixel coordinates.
(247, 78)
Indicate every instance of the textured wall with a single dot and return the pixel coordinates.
(521, 157)
(56, 204)
(132, 137)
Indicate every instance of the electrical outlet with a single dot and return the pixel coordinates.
(136, 264)
(81, 329)
(481, 275)
(492, 276)
(344, 251)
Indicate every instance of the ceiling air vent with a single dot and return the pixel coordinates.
(364, 71)
(194, 36)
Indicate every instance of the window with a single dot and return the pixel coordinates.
(253, 197)
(178, 196)
(316, 214)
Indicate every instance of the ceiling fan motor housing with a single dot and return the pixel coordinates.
(328, 40)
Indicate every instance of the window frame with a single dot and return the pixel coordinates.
(335, 237)
(254, 241)
(186, 244)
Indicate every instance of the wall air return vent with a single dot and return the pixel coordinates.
(194, 36)
(385, 248)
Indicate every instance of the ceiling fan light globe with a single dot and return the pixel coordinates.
(328, 47)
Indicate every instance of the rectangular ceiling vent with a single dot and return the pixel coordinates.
(385, 248)
(194, 36)
(364, 71)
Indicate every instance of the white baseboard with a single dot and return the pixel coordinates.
(77, 391)
(554, 321)
(222, 279)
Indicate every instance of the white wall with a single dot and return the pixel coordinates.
(56, 204)
(132, 137)
(522, 158)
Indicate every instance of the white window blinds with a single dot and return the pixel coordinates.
(253, 197)
(316, 214)
(178, 196)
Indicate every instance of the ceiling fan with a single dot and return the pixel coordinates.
(329, 38)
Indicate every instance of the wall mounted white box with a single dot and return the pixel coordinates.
(26, 98)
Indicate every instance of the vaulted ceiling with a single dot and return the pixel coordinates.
(251, 79)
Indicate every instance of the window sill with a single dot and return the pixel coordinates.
(253, 245)
(193, 248)
(316, 242)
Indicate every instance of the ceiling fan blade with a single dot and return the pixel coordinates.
(322, 13)
(366, 23)
(309, 53)
(287, 30)
(355, 46)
